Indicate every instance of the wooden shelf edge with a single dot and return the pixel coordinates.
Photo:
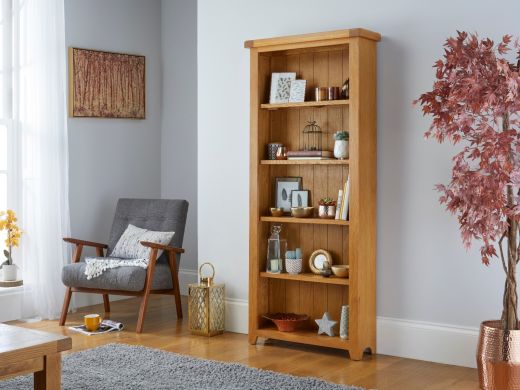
(311, 221)
(325, 103)
(304, 337)
(307, 277)
(305, 162)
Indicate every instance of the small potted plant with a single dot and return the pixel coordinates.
(327, 208)
(8, 222)
(341, 144)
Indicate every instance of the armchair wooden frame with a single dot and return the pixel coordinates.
(171, 252)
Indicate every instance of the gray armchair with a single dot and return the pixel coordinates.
(161, 276)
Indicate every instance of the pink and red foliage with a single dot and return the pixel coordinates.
(475, 101)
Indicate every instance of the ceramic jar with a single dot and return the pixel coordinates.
(341, 149)
(327, 211)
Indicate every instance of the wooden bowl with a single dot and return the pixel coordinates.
(302, 212)
(341, 271)
(276, 212)
(287, 322)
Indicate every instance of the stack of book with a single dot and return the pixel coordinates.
(342, 204)
(309, 155)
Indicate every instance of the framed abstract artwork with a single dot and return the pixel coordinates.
(281, 87)
(106, 85)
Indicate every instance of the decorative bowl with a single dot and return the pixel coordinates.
(341, 271)
(287, 322)
(276, 212)
(293, 266)
(302, 212)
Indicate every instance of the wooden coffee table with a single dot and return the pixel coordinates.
(25, 351)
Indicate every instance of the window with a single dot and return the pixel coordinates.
(6, 99)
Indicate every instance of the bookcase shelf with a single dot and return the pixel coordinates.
(307, 277)
(305, 162)
(311, 221)
(326, 103)
(322, 59)
(304, 336)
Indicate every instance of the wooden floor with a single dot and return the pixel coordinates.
(163, 331)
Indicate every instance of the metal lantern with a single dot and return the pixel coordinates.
(206, 305)
(312, 136)
(276, 248)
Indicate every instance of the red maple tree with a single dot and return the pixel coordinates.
(475, 101)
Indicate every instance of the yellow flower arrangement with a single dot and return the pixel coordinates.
(8, 222)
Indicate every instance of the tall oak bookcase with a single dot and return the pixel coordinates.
(323, 59)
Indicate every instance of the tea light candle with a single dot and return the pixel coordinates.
(274, 265)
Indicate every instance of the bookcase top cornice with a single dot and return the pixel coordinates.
(314, 37)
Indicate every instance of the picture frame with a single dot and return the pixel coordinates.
(297, 92)
(284, 186)
(300, 198)
(95, 74)
(281, 87)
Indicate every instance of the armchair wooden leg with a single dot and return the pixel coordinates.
(142, 312)
(65, 308)
(106, 303)
(175, 281)
(178, 304)
(147, 288)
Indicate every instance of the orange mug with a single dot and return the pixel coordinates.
(92, 322)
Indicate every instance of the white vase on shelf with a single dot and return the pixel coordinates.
(343, 323)
(341, 149)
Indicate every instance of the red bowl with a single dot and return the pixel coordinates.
(287, 322)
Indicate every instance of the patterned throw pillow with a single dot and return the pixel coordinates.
(129, 244)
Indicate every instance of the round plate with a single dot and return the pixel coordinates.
(317, 259)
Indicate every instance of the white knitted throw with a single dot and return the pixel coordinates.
(97, 265)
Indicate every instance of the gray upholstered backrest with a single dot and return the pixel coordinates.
(154, 214)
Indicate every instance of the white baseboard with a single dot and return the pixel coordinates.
(237, 315)
(440, 343)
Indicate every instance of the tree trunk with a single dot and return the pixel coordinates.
(510, 313)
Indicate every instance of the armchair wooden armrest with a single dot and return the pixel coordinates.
(85, 243)
(162, 247)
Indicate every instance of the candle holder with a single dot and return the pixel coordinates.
(276, 247)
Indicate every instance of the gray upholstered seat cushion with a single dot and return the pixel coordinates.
(122, 278)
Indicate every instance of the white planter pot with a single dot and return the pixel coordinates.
(341, 149)
(9, 272)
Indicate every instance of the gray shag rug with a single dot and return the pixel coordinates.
(128, 367)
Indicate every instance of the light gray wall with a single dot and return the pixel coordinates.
(179, 115)
(423, 274)
(114, 158)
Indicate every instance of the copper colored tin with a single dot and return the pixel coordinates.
(333, 93)
(321, 94)
(498, 357)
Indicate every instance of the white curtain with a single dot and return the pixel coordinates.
(40, 122)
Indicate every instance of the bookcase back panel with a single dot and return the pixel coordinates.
(313, 299)
(319, 69)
